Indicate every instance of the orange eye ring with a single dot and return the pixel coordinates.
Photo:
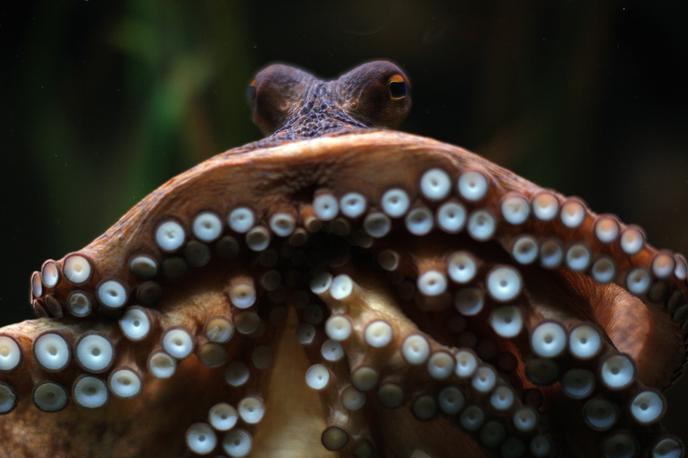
(397, 87)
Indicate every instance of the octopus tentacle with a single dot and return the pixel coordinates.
(82, 403)
(544, 351)
(455, 296)
(428, 377)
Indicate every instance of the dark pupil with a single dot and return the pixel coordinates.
(250, 94)
(397, 89)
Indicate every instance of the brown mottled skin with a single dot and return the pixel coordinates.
(322, 135)
(291, 104)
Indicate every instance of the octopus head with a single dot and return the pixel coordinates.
(292, 101)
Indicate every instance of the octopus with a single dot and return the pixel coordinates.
(343, 289)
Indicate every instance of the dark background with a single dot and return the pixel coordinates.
(103, 101)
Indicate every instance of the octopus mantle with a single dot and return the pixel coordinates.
(366, 294)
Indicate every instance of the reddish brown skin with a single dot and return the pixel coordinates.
(322, 137)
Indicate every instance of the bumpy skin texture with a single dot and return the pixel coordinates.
(334, 328)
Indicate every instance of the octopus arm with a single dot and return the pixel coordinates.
(346, 294)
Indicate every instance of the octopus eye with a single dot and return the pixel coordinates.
(396, 85)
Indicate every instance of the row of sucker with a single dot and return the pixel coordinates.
(437, 380)
(600, 246)
(365, 350)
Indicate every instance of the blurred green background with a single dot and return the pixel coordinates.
(103, 101)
